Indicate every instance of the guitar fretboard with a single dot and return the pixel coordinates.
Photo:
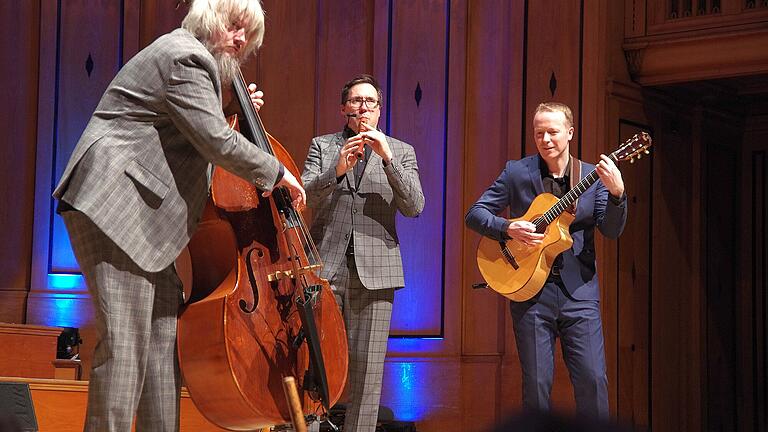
(567, 200)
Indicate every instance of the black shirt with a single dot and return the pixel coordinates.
(557, 186)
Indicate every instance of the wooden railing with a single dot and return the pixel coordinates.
(689, 8)
(655, 17)
(668, 41)
(693, 8)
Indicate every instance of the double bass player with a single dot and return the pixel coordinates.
(133, 191)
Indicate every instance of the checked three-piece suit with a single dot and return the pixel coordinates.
(131, 197)
(568, 304)
(365, 276)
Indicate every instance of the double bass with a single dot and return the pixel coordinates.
(257, 312)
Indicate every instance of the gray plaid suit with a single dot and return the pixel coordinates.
(364, 282)
(137, 184)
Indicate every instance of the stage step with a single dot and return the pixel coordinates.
(60, 406)
(33, 350)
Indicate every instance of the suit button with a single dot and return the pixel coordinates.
(346, 236)
(354, 211)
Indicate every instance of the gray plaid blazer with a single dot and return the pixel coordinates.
(139, 171)
(367, 213)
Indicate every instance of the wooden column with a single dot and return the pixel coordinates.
(19, 122)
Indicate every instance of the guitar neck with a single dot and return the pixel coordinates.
(572, 195)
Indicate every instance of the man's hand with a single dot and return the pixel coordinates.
(524, 232)
(376, 140)
(257, 96)
(610, 176)
(348, 155)
(297, 192)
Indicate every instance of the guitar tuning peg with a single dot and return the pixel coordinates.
(632, 160)
(640, 156)
(647, 151)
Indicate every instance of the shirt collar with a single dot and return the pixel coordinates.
(545, 169)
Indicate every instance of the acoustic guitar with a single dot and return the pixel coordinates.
(518, 271)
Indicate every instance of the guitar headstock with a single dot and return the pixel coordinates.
(634, 147)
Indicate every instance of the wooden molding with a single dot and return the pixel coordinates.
(634, 58)
(699, 55)
(30, 330)
(628, 92)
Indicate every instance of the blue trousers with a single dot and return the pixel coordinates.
(538, 323)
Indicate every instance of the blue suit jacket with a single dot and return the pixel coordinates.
(516, 188)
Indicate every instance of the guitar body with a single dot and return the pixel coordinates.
(520, 272)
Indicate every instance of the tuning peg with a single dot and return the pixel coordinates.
(647, 151)
(632, 160)
(640, 156)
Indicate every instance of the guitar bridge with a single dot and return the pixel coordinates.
(508, 255)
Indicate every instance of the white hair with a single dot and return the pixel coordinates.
(209, 19)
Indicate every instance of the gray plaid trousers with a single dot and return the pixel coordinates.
(135, 369)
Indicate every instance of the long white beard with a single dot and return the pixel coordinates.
(229, 67)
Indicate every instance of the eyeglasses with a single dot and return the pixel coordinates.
(357, 102)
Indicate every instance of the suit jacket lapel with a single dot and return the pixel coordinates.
(374, 160)
(535, 172)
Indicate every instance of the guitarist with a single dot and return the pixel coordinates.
(568, 304)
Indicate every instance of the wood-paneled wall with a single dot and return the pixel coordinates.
(461, 79)
(18, 121)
